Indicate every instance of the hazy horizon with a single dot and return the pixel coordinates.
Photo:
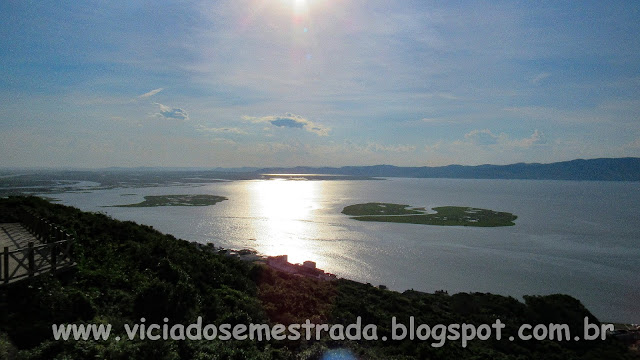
(253, 168)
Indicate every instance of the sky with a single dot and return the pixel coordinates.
(317, 82)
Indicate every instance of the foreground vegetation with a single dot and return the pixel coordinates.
(177, 200)
(128, 271)
(444, 216)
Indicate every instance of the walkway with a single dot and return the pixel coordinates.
(27, 256)
(15, 236)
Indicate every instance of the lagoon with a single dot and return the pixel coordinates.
(578, 238)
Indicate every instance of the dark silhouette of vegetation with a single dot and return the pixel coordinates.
(127, 271)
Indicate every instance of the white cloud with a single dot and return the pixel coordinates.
(536, 138)
(150, 93)
(482, 137)
(434, 147)
(168, 112)
(291, 121)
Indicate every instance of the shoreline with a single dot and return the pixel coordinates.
(253, 256)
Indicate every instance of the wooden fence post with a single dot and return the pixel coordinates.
(54, 257)
(32, 263)
(6, 264)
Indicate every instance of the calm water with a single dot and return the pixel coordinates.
(578, 238)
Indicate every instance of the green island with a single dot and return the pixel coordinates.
(126, 271)
(176, 200)
(444, 216)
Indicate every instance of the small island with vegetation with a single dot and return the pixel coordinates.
(444, 215)
(177, 200)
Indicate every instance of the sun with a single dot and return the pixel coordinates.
(299, 6)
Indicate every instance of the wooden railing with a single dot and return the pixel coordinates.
(41, 228)
(53, 253)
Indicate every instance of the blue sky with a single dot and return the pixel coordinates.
(317, 82)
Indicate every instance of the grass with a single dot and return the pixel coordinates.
(177, 200)
(7, 349)
(444, 216)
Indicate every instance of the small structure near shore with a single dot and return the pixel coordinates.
(307, 269)
(280, 262)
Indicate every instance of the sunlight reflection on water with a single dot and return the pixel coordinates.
(284, 213)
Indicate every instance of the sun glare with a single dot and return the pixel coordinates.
(285, 209)
(299, 6)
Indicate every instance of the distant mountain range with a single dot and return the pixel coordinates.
(606, 169)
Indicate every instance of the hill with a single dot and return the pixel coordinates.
(606, 169)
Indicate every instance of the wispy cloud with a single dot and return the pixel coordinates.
(483, 137)
(438, 95)
(373, 147)
(486, 137)
(538, 78)
(168, 112)
(291, 121)
(227, 130)
(633, 145)
(396, 148)
(150, 93)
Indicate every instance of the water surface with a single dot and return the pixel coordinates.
(577, 238)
